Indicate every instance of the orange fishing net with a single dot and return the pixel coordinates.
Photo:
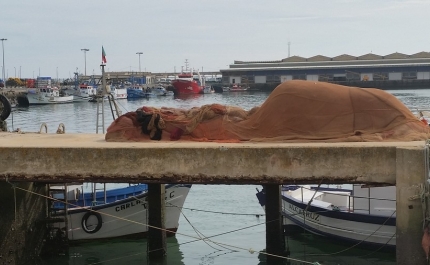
(296, 111)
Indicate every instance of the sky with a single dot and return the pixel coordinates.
(45, 37)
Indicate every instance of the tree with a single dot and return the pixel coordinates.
(14, 81)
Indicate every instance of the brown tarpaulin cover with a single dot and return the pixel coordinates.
(296, 111)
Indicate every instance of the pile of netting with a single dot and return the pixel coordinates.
(296, 111)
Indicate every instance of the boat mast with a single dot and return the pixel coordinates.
(186, 65)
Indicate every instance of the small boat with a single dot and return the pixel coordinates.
(360, 215)
(136, 92)
(188, 83)
(47, 95)
(83, 93)
(118, 92)
(120, 213)
(234, 88)
(159, 91)
(208, 90)
(90, 194)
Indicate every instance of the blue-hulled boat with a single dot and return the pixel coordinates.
(98, 193)
(137, 92)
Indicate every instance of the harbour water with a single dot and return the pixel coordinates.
(229, 215)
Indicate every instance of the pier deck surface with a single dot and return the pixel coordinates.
(89, 158)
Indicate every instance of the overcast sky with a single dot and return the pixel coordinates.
(46, 35)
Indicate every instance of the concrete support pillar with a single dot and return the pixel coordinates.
(274, 231)
(410, 173)
(156, 207)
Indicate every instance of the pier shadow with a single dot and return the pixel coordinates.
(117, 251)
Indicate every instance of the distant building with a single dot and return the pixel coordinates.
(369, 70)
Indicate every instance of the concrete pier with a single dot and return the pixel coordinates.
(412, 172)
(88, 158)
(156, 237)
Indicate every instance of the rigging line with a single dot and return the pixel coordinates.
(122, 106)
(106, 214)
(228, 232)
(357, 197)
(205, 238)
(206, 211)
(334, 253)
(386, 243)
(250, 250)
(200, 234)
(243, 228)
(309, 203)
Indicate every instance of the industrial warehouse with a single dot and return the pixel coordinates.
(392, 71)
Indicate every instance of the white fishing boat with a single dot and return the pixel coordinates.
(82, 93)
(123, 213)
(361, 215)
(118, 92)
(47, 95)
(159, 91)
(208, 90)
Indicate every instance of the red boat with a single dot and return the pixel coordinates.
(186, 83)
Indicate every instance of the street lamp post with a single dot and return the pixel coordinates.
(139, 53)
(15, 70)
(85, 58)
(2, 45)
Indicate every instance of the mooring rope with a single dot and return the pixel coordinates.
(250, 250)
(217, 212)
(353, 246)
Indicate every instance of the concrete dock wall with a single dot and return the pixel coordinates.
(88, 158)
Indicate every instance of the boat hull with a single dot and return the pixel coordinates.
(347, 227)
(186, 87)
(123, 218)
(36, 99)
(367, 230)
(136, 93)
(120, 93)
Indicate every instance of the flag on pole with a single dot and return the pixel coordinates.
(103, 55)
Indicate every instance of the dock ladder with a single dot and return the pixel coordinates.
(56, 218)
(101, 95)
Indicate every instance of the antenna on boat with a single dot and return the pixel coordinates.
(102, 92)
(186, 65)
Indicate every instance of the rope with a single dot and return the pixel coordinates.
(357, 197)
(229, 213)
(335, 253)
(205, 238)
(250, 250)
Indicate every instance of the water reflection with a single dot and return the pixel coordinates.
(312, 248)
(118, 251)
(188, 96)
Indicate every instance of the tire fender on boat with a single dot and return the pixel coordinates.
(6, 108)
(85, 219)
